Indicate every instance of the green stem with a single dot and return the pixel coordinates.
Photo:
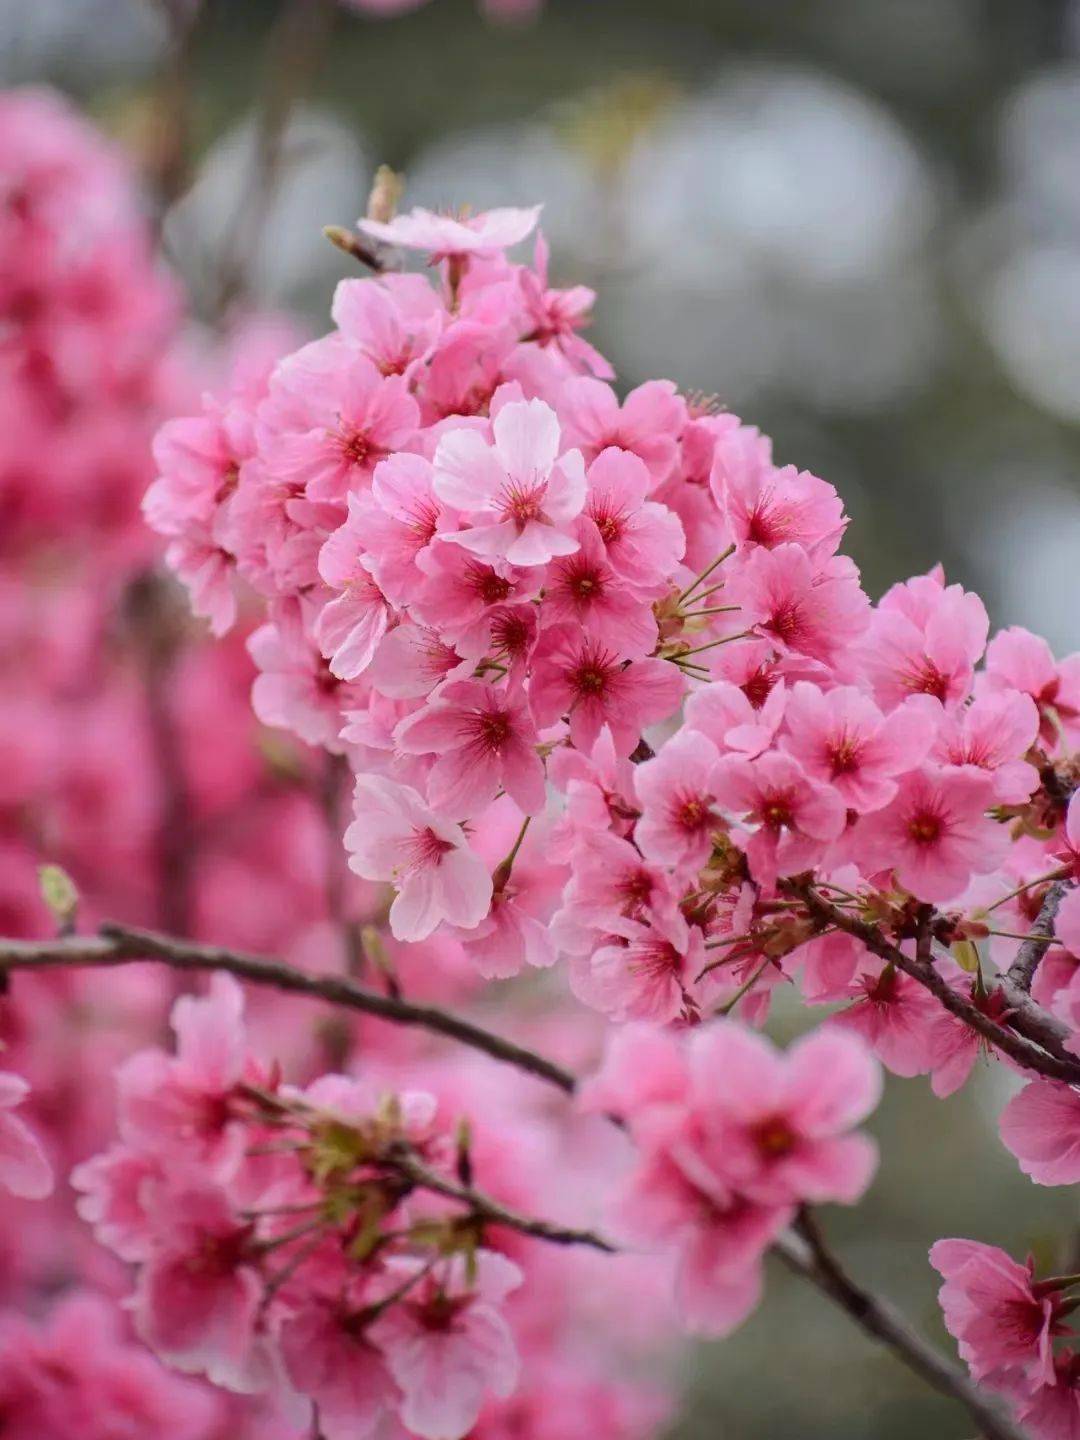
(705, 574)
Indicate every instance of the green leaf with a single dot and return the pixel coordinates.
(966, 955)
(59, 892)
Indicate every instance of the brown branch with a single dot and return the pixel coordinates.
(119, 945)
(484, 1207)
(1031, 1038)
(807, 1255)
(1028, 958)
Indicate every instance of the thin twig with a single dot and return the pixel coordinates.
(485, 1208)
(119, 945)
(807, 1255)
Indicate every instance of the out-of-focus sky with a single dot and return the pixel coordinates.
(857, 222)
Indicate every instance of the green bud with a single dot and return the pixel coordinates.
(60, 894)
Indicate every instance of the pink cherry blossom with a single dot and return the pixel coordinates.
(994, 732)
(77, 1374)
(517, 931)
(396, 837)
(575, 676)
(1051, 1412)
(723, 713)
(197, 1295)
(1041, 1127)
(777, 1126)
(1067, 921)
(445, 235)
(841, 738)
(332, 417)
(462, 597)
(448, 1345)
(585, 590)
(648, 423)
(935, 832)
(790, 818)
(484, 740)
(556, 316)
(675, 791)
(642, 540)
(521, 494)
(176, 1106)
(644, 970)
(393, 320)
(993, 1310)
(811, 610)
(295, 689)
(351, 625)
(925, 639)
(1018, 660)
(716, 1237)
(610, 879)
(768, 506)
(894, 1015)
(411, 660)
(329, 1357)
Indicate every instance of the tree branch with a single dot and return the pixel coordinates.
(484, 1207)
(1033, 1039)
(1028, 958)
(118, 945)
(807, 1255)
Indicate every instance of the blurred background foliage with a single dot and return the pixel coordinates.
(857, 222)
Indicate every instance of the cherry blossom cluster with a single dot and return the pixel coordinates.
(732, 1138)
(329, 1242)
(263, 1217)
(1009, 1327)
(612, 695)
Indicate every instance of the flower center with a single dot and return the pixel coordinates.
(509, 633)
(774, 1137)
(844, 755)
(491, 588)
(424, 848)
(692, 813)
(590, 680)
(927, 679)
(493, 729)
(355, 447)
(785, 620)
(776, 812)
(924, 828)
(522, 503)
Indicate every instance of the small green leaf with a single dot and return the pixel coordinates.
(966, 955)
(59, 892)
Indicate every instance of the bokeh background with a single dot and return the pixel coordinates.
(856, 222)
